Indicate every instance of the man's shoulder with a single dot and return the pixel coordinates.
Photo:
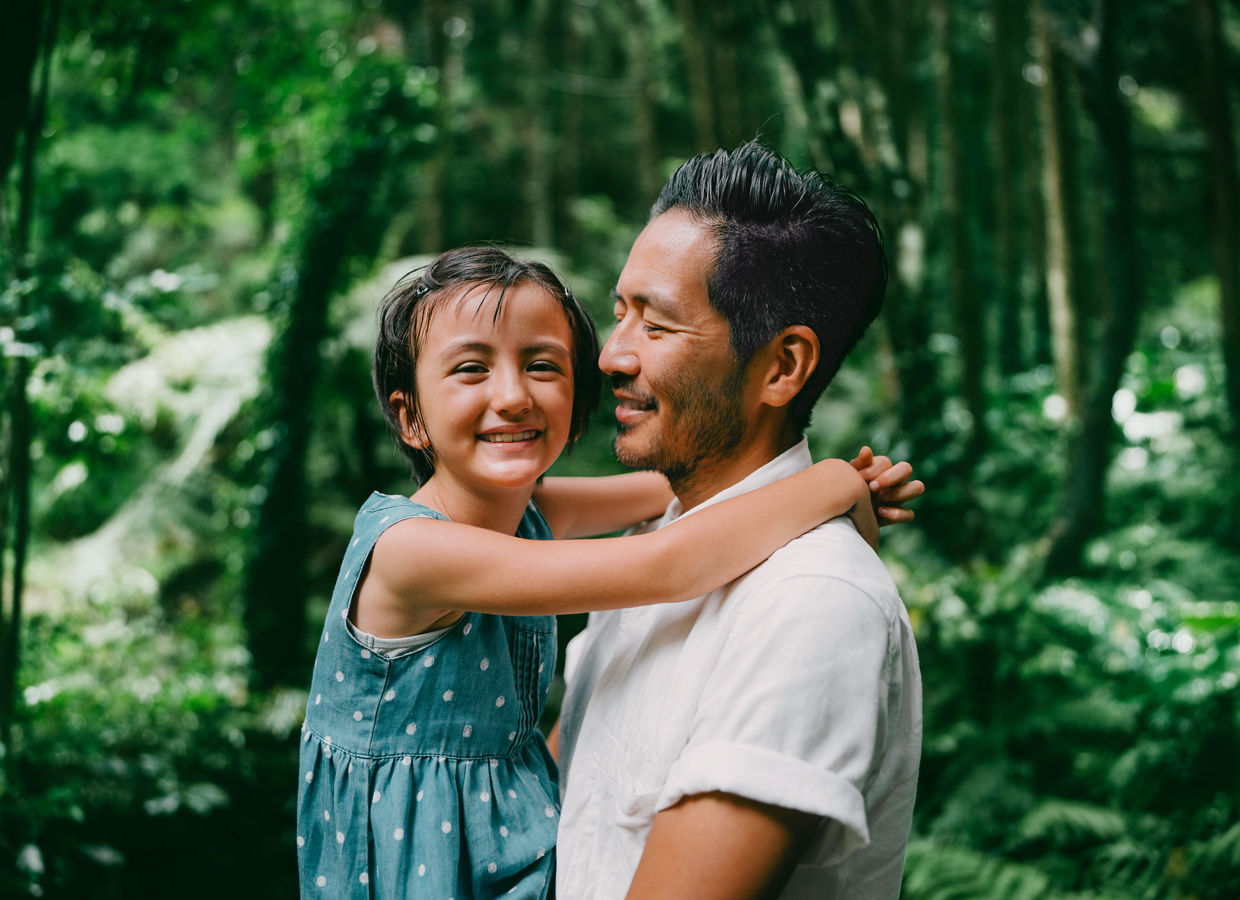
(832, 560)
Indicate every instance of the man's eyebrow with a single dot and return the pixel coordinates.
(651, 301)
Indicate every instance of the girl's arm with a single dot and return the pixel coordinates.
(423, 565)
(581, 507)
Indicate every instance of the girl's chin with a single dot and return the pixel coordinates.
(514, 476)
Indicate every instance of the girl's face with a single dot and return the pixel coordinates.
(495, 394)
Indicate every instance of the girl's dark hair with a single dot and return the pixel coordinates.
(405, 313)
(792, 249)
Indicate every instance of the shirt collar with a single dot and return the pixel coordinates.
(791, 461)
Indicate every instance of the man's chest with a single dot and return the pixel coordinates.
(641, 689)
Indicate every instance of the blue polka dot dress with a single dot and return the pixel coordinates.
(424, 775)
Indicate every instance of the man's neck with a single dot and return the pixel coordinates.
(710, 477)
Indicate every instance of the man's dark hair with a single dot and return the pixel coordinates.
(406, 311)
(792, 249)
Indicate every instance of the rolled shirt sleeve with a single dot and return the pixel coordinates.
(793, 710)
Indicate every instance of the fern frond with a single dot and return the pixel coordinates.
(933, 872)
(1066, 822)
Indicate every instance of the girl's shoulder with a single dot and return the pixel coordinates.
(395, 505)
(379, 513)
(387, 509)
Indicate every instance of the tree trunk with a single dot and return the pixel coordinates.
(833, 152)
(538, 137)
(434, 195)
(726, 89)
(1062, 232)
(21, 426)
(960, 279)
(1224, 191)
(21, 24)
(1036, 228)
(1007, 52)
(346, 220)
(647, 174)
(1082, 507)
(701, 82)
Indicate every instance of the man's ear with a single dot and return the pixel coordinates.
(790, 358)
(410, 433)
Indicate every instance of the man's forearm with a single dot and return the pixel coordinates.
(720, 847)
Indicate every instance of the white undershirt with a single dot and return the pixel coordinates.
(399, 646)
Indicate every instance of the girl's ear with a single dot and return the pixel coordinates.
(410, 433)
(792, 356)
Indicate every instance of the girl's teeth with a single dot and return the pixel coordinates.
(510, 438)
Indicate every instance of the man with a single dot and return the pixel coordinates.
(762, 740)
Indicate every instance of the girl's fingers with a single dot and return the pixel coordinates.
(902, 493)
(890, 476)
(894, 515)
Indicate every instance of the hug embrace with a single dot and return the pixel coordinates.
(742, 715)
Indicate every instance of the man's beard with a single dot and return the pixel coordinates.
(700, 424)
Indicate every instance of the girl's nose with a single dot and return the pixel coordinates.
(511, 394)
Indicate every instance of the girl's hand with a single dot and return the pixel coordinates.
(862, 515)
(890, 487)
(839, 478)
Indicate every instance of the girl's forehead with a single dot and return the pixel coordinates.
(489, 306)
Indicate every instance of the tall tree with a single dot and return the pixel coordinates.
(646, 175)
(21, 426)
(1059, 200)
(1082, 505)
(962, 284)
(1224, 186)
(697, 40)
(1006, 55)
(345, 219)
(445, 60)
(22, 26)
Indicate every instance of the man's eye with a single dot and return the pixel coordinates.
(651, 328)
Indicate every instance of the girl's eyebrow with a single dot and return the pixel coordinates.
(547, 348)
(466, 347)
(485, 348)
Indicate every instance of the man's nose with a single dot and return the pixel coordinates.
(618, 356)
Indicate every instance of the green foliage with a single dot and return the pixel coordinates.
(153, 748)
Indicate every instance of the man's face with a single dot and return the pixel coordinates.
(670, 361)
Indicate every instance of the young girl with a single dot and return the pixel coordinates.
(422, 771)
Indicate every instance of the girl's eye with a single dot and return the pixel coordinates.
(469, 369)
(544, 365)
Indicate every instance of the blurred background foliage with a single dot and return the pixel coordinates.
(204, 200)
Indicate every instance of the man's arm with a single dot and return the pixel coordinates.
(718, 847)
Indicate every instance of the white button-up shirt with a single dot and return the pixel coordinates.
(796, 685)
